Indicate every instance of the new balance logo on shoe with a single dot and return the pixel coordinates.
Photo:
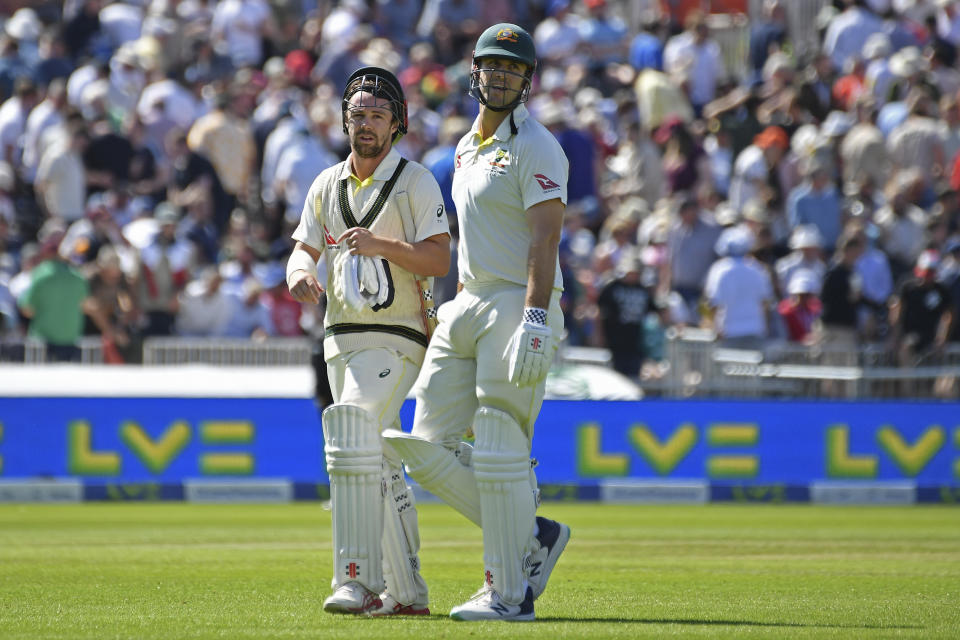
(552, 537)
(534, 570)
(486, 604)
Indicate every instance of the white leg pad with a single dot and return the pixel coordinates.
(354, 464)
(501, 464)
(401, 538)
(438, 470)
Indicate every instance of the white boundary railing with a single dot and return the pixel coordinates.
(695, 365)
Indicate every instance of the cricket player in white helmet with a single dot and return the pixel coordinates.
(379, 223)
(487, 363)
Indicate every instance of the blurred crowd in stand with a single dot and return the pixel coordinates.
(155, 155)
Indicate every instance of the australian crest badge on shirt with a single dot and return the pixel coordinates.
(500, 162)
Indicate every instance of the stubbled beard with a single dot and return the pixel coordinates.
(367, 149)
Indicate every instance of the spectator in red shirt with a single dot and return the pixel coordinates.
(802, 308)
(849, 86)
(284, 310)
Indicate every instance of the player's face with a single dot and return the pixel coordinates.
(370, 124)
(501, 80)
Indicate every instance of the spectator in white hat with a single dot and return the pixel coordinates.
(25, 27)
(801, 309)
(876, 53)
(910, 69)
(738, 292)
(807, 255)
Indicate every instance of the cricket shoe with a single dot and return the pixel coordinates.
(390, 607)
(486, 604)
(538, 565)
(352, 597)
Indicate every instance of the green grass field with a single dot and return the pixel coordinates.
(173, 570)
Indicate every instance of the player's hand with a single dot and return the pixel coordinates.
(360, 242)
(305, 288)
(530, 353)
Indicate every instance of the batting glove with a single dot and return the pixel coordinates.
(530, 353)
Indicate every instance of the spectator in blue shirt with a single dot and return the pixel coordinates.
(646, 48)
(581, 151)
(848, 32)
(440, 160)
(767, 35)
(604, 34)
(816, 201)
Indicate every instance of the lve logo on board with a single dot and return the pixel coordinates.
(156, 454)
(729, 444)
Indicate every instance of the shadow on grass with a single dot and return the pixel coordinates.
(691, 622)
(724, 623)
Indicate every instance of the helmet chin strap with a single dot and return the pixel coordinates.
(477, 94)
(510, 108)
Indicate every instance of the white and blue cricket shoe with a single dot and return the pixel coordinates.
(487, 605)
(552, 537)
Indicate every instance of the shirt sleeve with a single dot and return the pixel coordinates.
(426, 206)
(543, 172)
(310, 231)
(711, 289)
(25, 301)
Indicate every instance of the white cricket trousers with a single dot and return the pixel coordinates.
(377, 380)
(465, 367)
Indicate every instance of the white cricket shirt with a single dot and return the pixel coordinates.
(415, 203)
(495, 181)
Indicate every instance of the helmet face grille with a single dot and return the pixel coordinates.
(477, 86)
(381, 84)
